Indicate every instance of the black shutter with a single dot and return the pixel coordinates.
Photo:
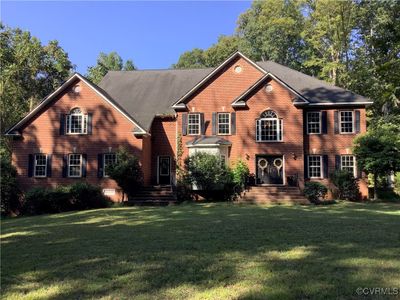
(325, 165)
(65, 166)
(99, 165)
(324, 122)
(184, 123)
(62, 124)
(357, 113)
(305, 166)
(49, 157)
(233, 123)
(202, 125)
(30, 165)
(336, 120)
(214, 123)
(89, 123)
(84, 161)
(337, 162)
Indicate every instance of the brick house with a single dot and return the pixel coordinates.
(288, 127)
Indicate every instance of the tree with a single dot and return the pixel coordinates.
(193, 59)
(127, 173)
(271, 30)
(378, 150)
(108, 62)
(29, 72)
(219, 52)
(10, 192)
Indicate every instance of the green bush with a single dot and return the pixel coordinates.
(315, 191)
(10, 192)
(86, 196)
(127, 172)
(241, 174)
(346, 184)
(37, 201)
(184, 190)
(397, 183)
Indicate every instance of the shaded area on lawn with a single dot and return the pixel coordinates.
(207, 251)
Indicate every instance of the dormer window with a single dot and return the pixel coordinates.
(269, 127)
(76, 122)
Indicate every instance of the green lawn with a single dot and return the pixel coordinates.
(208, 251)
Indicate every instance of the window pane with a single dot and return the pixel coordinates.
(74, 165)
(313, 122)
(194, 124)
(223, 123)
(346, 121)
(40, 165)
(348, 163)
(314, 166)
(269, 127)
(109, 159)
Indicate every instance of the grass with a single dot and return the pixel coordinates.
(209, 251)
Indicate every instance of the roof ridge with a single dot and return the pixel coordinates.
(157, 70)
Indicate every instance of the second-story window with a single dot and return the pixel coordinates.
(76, 122)
(224, 123)
(194, 124)
(269, 127)
(314, 122)
(346, 122)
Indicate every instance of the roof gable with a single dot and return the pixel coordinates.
(14, 129)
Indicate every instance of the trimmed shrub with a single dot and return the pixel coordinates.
(86, 196)
(315, 191)
(346, 184)
(37, 201)
(241, 174)
(10, 192)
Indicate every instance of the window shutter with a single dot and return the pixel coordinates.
(337, 162)
(305, 166)
(65, 166)
(48, 158)
(325, 164)
(84, 160)
(89, 123)
(357, 112)
(184, 123)
(358, 170)
(202, 125)
(324, 122)
(62, 124)
(233, 123)
(99, 165)
(336, 117)
(214, 123)
(30, 165)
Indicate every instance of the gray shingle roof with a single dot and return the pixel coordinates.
(145, 94)
(208, 140)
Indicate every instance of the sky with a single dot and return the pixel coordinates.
(152, 34)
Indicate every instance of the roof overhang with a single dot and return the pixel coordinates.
(177, 105)
(13, 131)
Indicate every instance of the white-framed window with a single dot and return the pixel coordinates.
(193, 124)
(108, 160)
(76, 122)
(315, 166)
(269, 127)
(348, 163)
(74, 165)
(40, 165)
(224, 123)
(346, 121)
(314, 122)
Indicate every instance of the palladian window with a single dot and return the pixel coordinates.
(76, 122)
(269, 127)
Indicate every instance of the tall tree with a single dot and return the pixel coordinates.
(271, 30)
(29, 72)
(220, 51)
(108, 62)
(191, 60)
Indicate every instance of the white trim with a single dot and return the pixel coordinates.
(35, 165)
(84, 123)
(50, 97)
(207, 145)
(279, 126)
(80, 164)
(229, 123)
(320, 122)
(198, 85)
(321, 166)
(354, 163)
(198, 124)
(352, 122)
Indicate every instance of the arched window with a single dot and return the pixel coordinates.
(76, 122)
(269, 127)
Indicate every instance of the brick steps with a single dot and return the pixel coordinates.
(153, 196)
(274, 195)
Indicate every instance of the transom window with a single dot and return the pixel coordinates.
(346, 122)
(75, 165)
(40, 165)
(194, 124)
(108, 160)
(76, 122)
(314, 122)
(224, 123)
(347, 163)
(269, 127)
(315, 166)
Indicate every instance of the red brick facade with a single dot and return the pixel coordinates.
(111, 129)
